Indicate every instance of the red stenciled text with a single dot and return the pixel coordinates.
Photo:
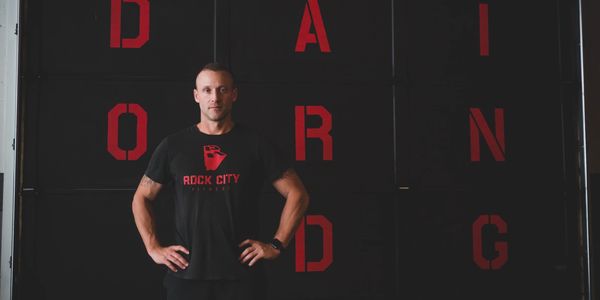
(221, 179)
(114, 116)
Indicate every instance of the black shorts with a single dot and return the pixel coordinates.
(249, 288)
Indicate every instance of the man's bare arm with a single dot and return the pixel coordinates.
(291, 188)
(146, 192)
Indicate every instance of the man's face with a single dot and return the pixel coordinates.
(215, 94)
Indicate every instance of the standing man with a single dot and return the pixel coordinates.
(218, 168)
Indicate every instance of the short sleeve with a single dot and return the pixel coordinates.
(273, 160)
(158, 167)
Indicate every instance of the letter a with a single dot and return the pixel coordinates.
(312, 15)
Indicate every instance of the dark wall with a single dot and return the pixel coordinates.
(449, 171)
(592, 73)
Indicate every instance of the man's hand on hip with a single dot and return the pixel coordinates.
(257, 250)
(168, 256)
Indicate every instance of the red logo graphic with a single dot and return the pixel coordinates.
(213, 157)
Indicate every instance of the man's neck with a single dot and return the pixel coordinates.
(215, 128)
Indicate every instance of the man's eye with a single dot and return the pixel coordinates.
(223, 90)
(206, 90)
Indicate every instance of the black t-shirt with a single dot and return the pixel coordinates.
(217, 181)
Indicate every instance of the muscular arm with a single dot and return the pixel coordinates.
(291, 188)
(144, 220)
(146, 191)
(296, 202)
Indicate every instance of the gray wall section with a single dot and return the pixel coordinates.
(1, 205)
(9, 45)
(3, 30)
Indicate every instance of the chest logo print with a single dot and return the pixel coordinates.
(213, 157)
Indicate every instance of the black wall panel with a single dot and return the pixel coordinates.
(444, 79)
(263, 38)
(84, 249)
(362, 130)
(363, 255)
(76, 38)
(437, 245)
(401, 82)
(440, 42)
(74, 129)
(440, 148)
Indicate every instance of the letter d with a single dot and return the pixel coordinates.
(115, 25)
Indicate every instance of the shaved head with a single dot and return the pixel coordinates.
(217, 67)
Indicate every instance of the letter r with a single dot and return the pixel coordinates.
(322, 133)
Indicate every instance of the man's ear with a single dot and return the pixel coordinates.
(196, 96)
(235, 94)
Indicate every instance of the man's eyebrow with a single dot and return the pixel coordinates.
(216, 87)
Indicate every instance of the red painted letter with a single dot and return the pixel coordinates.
(115, 25)
(501, 247)
(322, 133)
(141, 131)
(325, 262)
(312, 15)
(484, 38)
(479, 125)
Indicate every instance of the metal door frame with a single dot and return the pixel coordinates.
(9, 58)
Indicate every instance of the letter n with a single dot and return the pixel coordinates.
(115, 25)
(479, 125)
(312, 15)
(322, 133)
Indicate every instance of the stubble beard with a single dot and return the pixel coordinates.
(219, 117)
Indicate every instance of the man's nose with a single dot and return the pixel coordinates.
(215, 97)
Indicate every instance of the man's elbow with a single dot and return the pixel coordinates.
(139, 201)
(304, 200)
(135, 203)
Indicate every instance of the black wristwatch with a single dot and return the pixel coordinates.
(275, 243)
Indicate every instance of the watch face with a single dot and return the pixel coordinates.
(277, 244)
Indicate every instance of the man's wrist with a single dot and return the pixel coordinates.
(278, 245)
(152, 246)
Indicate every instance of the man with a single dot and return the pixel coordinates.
(218, 168)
